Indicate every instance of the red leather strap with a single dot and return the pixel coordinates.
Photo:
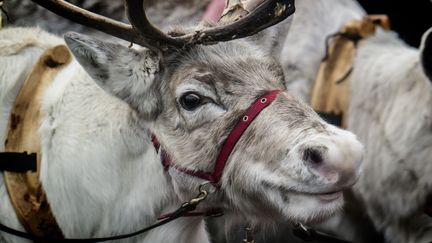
(244, 121)
(166, 160)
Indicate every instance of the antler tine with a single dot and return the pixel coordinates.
(141, 32)
(140, 23)
(265, 14)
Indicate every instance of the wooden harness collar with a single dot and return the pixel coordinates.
(330, 93)
(21, 171)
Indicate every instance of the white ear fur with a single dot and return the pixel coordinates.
(426, 53)
(123, 72)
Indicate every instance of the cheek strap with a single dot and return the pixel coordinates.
(228, 145)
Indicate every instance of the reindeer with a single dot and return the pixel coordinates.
(389, 111)
(102, 174)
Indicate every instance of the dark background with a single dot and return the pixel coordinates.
(410, 18)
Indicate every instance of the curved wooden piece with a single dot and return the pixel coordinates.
(25, 190)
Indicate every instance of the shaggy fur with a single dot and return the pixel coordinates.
(388, 82)
(103, 177)
(389, 111)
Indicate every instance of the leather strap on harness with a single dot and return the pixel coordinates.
(227, 147)
(181, 211)
(22, 162)
(24, 188)
(330, 94)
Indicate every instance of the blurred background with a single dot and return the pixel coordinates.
(409, 18)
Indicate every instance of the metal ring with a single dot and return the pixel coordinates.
(263, 100)
(207, 186)
(245, 118)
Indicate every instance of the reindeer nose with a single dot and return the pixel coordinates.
(334, 159)
(316, 158)
(313, 156)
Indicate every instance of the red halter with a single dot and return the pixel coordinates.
(250, 114)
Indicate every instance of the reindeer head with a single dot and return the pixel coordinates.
(289, 164)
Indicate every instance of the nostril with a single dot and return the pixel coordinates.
(313, 155)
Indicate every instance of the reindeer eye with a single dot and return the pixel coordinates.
(190, 101)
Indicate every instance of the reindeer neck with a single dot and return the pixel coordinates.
(100, 171)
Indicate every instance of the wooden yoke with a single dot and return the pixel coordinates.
(330, 94)
(25, 190)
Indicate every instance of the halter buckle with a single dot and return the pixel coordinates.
(203, 191)
(248, 235)
(200, 197)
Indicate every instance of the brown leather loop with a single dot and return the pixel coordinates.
(330, 94)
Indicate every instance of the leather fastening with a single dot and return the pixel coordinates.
(234, 136)
(330, 93)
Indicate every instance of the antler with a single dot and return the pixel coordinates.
(265, 14)
(142, 32)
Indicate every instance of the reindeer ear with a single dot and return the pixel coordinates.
(123, 72)
(426, 53)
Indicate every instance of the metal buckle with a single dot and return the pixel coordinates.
(248, 235)
(199, 198)
(203, 191)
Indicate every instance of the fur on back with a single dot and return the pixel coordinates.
(19, 50)
(390, 107)
(301, 63)
(389, 110)
(116, 198)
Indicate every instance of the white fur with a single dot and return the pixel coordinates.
(103, 176)
(112, 158)
(389, 111)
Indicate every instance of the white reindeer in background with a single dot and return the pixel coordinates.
(103, 176)
(390, 111)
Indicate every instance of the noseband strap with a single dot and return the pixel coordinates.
(234, 136)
